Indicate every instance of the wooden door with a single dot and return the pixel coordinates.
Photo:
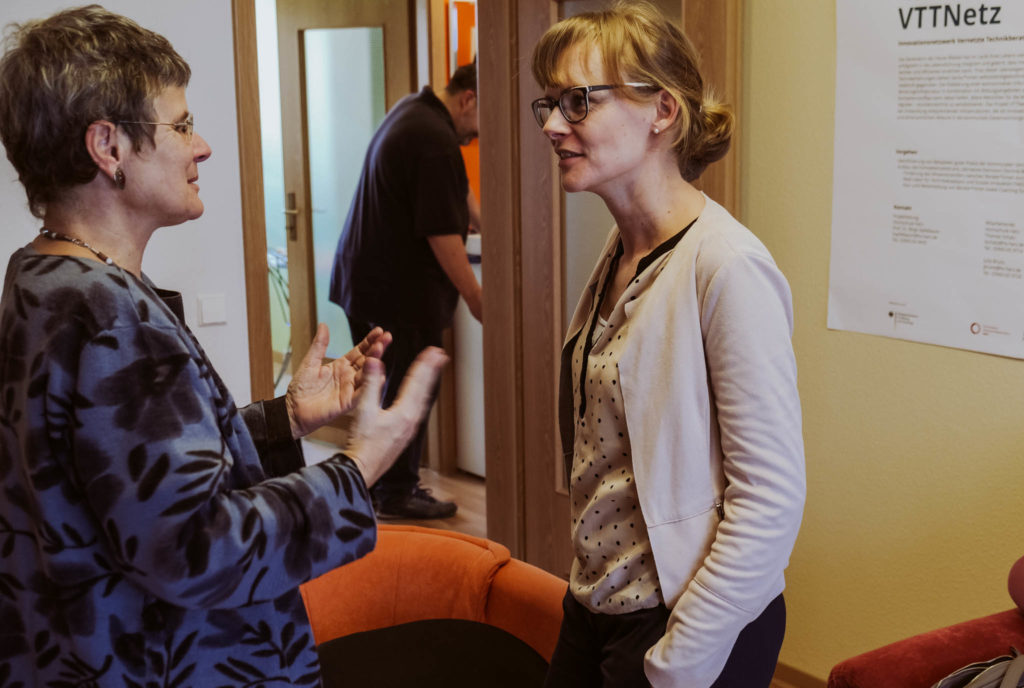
(300, 26)
(522, 283)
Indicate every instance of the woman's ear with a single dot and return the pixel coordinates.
(101, 140)
(666, 111)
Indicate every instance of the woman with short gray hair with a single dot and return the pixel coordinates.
(150, 533)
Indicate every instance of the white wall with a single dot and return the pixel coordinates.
(200, 257)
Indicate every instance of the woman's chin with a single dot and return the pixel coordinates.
(570, 185)
(196, 211)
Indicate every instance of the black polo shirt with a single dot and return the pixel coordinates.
(413, 185)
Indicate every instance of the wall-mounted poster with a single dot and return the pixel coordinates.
(928, 202)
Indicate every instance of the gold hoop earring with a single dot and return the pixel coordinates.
(119, 179)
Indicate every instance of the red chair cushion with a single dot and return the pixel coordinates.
(924, 659)
(1015, 584)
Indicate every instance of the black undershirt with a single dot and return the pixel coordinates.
(645, 262)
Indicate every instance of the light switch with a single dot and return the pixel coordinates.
(212, 309)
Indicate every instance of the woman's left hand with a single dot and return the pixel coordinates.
(320, 392)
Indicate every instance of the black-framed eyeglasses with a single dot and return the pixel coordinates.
(185, 127)
(573, 102)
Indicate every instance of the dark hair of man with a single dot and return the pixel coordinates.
(464, 79)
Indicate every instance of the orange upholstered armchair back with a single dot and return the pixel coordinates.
(423, 573)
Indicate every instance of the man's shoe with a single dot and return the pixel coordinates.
(418, 505)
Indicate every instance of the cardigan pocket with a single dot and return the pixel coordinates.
(680, 547)
(715, 506)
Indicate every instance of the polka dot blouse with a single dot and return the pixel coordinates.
(613, 570)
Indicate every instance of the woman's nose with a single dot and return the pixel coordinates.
(200, 148)
(556, 125)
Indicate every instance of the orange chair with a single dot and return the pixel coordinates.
(419, 574)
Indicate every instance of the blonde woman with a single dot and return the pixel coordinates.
(679, 411)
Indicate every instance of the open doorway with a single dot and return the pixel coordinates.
(338, 98)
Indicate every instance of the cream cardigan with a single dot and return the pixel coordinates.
(708, 381)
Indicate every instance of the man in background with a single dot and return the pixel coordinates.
(401, 260)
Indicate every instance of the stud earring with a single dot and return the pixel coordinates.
(119, 179)
(657, 130)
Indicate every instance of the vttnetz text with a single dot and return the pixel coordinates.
(934, 16)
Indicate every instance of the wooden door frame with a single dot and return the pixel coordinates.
(716, 29)
(442, 451)
(254, 229)
(523, 280)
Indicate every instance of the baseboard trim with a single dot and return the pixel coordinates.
(788, 677)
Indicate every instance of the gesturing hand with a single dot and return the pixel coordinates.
(377, 436)
(319, 392)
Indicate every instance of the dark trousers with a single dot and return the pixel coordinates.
(607, 651)
(407, 343)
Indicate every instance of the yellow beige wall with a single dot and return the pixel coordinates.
(915, 453)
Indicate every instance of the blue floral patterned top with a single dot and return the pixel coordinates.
(143, 542)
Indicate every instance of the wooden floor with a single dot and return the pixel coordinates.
(466, 490)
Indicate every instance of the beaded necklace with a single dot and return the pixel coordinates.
(57, 236)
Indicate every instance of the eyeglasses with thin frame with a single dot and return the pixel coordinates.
(573, 102)
(185, 127)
